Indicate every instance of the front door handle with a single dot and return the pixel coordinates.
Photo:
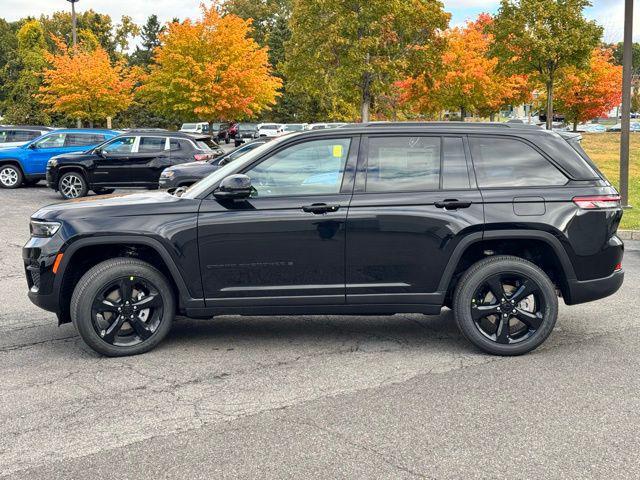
(452, 204)
(317, 208)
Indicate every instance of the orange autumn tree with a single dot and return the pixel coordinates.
(84, 84)
(470, 80)
(583, 94)
(211, 69)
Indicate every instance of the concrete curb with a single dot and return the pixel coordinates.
(629, 234)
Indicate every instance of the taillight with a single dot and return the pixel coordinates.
(618, 267)
(201, 156)
(598, 202)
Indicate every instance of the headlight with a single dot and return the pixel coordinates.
(168, 174)
(52, 162)
(39, 228)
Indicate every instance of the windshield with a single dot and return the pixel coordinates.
(247, 126)
(269, 127)
(201, 187)
(189, 126)
(294, 127)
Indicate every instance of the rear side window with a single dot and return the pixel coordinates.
(4, 136)
(23, 135)
(507, 162)
(177, 145)
(402, 164)
(83, 139)
(151, 144)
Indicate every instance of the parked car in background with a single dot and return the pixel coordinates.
(317, 126)
(494, 221)
(227, 132)
(197, 127)
(633, 127)
(588, 128)
(246, 131)
(187, 174)
(270, 130)
(28, 163)
(17, 135)
(295, 127)
(133, 159)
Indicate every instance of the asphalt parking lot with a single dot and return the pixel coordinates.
(315, 397)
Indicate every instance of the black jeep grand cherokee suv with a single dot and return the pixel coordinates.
(494, 221)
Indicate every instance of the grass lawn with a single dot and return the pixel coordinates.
(604, 149)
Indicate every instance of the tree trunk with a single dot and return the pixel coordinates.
(463, 113)
(492, 117)
(365, 104)
(575, 124)
(90, 123)
(550, 102)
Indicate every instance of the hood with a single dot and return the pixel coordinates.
(117, 205)
(11, 151)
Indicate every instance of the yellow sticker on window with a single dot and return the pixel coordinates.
(337, 151)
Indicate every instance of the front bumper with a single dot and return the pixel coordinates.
(38, 256)
(582, 291)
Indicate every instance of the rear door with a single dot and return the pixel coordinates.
(151, 158)
(415, 197)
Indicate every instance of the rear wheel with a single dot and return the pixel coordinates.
(123, 306)
(505, 305)
(72, 185)
(10, 176)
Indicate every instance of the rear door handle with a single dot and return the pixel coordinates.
(318, 208)
(452, 204)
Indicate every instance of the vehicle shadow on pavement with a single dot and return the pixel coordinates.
(402, 329)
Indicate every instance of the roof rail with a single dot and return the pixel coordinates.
(449, 124)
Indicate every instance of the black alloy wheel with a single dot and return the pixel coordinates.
(508, 308)
(127, 311)
(505, 305)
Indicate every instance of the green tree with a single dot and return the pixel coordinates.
(24, 76)
(125, 29)
(617, 55)
(346, 54)
(150, 35)
(540, 37)
(100, 25)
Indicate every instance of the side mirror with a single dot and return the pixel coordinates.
(99, 152)
(33, 146)
(236, 186)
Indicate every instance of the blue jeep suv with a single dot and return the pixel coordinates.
(28, 163)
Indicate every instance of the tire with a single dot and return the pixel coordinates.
(72, 185)
(128, 338)
(103, 191)
(480, 314)
(10, 176)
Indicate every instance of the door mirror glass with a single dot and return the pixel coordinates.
(236, 186)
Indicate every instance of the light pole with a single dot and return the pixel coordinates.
(74, 35)
(627, 66)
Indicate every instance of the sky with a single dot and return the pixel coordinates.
(609, 13)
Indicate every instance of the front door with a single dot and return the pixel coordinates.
(285, 245)
(415, 197)
(42, 150)
(112, 164)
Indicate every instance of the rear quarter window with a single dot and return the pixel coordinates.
(509, 162)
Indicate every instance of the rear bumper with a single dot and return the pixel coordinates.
(581, 291)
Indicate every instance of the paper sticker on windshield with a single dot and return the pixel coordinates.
(337, 151)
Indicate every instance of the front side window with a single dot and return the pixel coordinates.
(403, 164)
(4, 136)
(120, 146)
(309, 168)
(507, 162)
(151, 144)
(55, 140)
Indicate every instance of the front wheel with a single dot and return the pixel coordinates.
(123, 306)
(10, 176)
(72, 185)
(505, 305)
